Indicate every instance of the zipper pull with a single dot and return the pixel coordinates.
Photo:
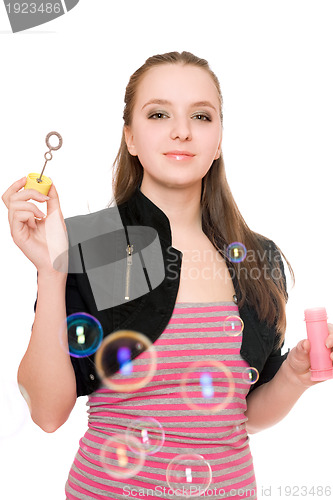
(129, 251)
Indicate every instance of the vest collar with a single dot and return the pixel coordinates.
(146, 213)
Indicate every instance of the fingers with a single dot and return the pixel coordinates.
(302, 358)
(329, 340)
(18, 220)
(16, 186)
(53, 204)
(20, 210)
(27, 194)
(16, 198)
(24, 207)
(303, 349)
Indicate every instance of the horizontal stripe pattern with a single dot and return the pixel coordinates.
(213, 427)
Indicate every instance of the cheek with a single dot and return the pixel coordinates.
(148, 138)
(208, 135)
(211, 144)
(147, 147)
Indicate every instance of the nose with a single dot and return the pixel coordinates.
(181, 129)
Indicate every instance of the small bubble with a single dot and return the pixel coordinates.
(233, 326)
(236, 251)
(189, 475)
(251, 375)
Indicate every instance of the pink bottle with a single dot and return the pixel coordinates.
(317, 331)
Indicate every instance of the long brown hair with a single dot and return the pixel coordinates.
(222, 221)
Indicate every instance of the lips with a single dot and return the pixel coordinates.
(179, 155)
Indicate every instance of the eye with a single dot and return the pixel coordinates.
(202, 117)
(158, 115)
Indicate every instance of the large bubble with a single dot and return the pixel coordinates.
(207, 386)
(115, 363)
(122, 456)
(149, 432)
(84, 335)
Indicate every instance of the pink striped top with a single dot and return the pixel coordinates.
(189, 418)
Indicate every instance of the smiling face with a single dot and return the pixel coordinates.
(176, 129)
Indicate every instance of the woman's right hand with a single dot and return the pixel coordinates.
(42, 238)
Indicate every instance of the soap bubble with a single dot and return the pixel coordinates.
(207, 386)
(206, 382)
(15, 409)
(84, 335)
(250, 375)
(189, 475)
(149, 432)
(115, 363)
(236, 251)
(122, 456)
(233, 326)
(124, 360)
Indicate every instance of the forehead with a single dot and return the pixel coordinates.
(177, 83)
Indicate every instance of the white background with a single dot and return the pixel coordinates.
(274, 63)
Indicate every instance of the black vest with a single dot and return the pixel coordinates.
(151, 307)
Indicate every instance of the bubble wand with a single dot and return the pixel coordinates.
(42, 183)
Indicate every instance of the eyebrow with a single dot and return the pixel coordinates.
(164, 101)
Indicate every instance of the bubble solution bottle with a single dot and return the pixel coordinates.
(317, 332)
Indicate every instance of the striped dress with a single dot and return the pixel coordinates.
(189, 418)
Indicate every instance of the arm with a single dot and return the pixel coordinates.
(271, 402)
(46, 371)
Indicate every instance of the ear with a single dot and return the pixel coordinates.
(219, 150)
(129, 140)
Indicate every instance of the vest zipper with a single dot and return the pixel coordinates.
(129, 251)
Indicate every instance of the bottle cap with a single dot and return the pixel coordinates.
(315, 314)
(318, 375)
(43, 187)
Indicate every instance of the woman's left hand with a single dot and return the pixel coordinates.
(298, 360)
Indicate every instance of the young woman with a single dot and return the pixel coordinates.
(169, 179)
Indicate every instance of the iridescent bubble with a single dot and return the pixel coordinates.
(207, 386)
(250, 375)
(15, 409)
(188, 475)
(126, 361)
(236, 251)
(233, 326)
(149, 432)
(206, 382)
(82, 335)
(122, 456)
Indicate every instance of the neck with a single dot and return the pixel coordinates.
(181, 206)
